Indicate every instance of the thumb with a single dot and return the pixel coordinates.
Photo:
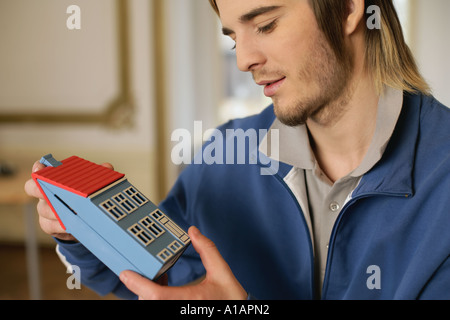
(209, 254)
(37, 166)
(138, 284)
(218, 273)
(108, 165)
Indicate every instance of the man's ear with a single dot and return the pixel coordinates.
(356, 12)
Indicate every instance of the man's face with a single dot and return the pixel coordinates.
(280, 43)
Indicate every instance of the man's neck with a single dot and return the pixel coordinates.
(341, 142)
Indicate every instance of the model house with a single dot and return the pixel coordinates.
(110, 217)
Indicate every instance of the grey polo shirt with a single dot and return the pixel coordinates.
(320, 199)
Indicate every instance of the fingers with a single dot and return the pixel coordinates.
(146, 289)
(37, 166)
(140, 285)
(218, 272)
(30, 186)
(211, 258)
(219, 282)
(108, 165)
(32, 190)
(47, 219)
(50, 224)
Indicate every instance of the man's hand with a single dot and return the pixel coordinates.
(47, 220)
(218, 284)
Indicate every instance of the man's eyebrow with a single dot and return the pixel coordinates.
(250, 16)
(257, 12)
(227, 32)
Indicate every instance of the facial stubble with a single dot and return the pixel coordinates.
(330, 80)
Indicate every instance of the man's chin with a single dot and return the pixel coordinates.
(291, 117)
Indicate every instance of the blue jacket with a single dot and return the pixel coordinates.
(391, 240)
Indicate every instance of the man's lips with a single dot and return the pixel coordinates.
(271, 86)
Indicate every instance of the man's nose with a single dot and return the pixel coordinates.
(249, 55)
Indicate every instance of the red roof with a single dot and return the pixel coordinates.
(79, 176)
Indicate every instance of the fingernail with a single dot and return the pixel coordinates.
(195, 231)
(35, 167)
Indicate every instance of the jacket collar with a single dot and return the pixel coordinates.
(393, 173)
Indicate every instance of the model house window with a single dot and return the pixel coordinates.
(138, 197)
(170, 226)
(125, 203)
(141, 234)
(168, 252)
(165, 254)
(157, 215)
(152, 227)
(112, 208)
(175, 246)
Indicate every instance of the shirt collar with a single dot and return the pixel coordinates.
(294, 147)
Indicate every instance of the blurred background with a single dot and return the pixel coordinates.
(114, 91)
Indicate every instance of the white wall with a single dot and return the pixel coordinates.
(430, 42)
(131, 150)
(194, 69)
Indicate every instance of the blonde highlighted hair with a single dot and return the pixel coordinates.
(388, 57)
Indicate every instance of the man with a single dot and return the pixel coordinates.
(358, 205)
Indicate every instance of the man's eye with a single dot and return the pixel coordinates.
(268, 27)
